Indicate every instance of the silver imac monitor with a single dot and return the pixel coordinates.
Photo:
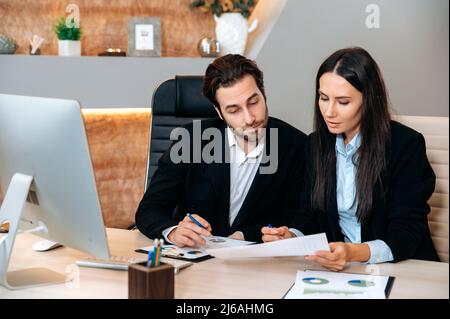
(47, 179)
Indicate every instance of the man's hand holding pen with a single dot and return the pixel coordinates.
(189, 232)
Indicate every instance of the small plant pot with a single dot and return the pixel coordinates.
(69, 48)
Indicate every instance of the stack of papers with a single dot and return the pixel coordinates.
(299, 246)
(311, 284)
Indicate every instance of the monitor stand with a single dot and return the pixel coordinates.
(11, 211)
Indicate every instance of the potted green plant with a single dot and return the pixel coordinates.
(68, 38)
(231, 22)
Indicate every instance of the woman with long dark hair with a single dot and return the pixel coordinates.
(369, 177)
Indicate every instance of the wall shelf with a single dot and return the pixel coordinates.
(95, 81)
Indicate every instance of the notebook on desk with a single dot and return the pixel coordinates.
(196, 254)
(311, 284)
(185, 254)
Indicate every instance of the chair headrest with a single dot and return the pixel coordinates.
(182, 97)
(190, 101)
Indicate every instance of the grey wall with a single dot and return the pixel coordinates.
(411, 47)
(96, 82)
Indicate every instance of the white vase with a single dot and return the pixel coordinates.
(69, 48)
(232, 31)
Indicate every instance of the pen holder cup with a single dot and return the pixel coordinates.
(151, 283)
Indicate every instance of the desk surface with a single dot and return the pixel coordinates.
(214, 278)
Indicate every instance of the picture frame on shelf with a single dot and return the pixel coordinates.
(144, 36)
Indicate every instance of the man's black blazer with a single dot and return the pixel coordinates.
(204, 188)
(400, 208)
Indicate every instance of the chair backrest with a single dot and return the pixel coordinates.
(176, 102)
(435, 131)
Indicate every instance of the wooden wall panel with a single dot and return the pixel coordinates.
(118, 144)
(105, 23)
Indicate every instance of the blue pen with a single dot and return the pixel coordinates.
(195, 221)
(270, 226)
(150, 257)
(155, 243)
(219, 240)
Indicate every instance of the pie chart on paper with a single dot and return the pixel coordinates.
(315, 281)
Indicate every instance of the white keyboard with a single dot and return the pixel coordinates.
(115, 262)
(122, 263)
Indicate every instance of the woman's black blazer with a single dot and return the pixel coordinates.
(400, 209)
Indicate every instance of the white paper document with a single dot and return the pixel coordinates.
(311, 284)
(190, 253)
(299, 246)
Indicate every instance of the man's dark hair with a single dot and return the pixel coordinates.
(226, 71)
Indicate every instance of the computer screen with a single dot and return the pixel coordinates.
(46, 139)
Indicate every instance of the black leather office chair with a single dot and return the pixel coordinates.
(176, 102)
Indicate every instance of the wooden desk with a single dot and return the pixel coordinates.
(214, 278)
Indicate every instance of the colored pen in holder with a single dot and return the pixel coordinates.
(151, 279)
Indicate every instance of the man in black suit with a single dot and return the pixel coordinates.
(251, 177)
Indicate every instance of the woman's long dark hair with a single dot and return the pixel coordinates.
(362, 72)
